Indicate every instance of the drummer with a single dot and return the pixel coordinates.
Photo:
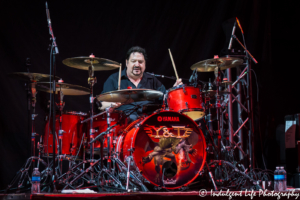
(133, 77)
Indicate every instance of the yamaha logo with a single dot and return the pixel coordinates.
(168, 119)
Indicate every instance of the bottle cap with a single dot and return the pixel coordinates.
(36, 169)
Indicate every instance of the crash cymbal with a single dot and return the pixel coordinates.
(33, 77)
(226, 83)
(214, 92)
(100, 64)
(67, 89)
(209, 65)
(130, 95)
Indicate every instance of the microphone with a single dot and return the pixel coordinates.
(157, 75)
(50, 28)
(238, 22)
(231, 38)
(48, 17)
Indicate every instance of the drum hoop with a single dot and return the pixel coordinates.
(191, 109)
(75, 113)
(180, 86)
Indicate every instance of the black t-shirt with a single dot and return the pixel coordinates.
(148, 82)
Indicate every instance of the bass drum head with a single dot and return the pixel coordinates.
(169, 149)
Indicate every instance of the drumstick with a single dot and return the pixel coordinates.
(173, 64)
(119, 80)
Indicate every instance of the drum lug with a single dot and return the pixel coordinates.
(131, 150)
(183, 88)
(187, 105)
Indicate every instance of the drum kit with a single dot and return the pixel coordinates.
(166, 149)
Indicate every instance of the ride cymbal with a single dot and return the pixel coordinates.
(209, 65)
(100, 64)
(67, 89)
(130, 95)
(33, 77)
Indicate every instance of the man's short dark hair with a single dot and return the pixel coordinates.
(136, 49)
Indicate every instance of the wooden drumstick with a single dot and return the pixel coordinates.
(173, 65)
(119, 80)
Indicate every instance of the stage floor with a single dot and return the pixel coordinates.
(202, 194)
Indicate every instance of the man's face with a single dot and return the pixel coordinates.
(136, 64)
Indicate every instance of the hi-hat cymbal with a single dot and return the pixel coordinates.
(212, 93)
(100, 64)
(33, 77)
(209, 65)
(130, 95)
(67, 89)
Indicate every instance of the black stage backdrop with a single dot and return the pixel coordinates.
(191, 29)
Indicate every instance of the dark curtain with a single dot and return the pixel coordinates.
(191, 29)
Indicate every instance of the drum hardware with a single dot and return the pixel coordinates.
(91, 64)
(130, 95)
(23, 174)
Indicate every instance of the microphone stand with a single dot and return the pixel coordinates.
(172, 77)
(52, 100)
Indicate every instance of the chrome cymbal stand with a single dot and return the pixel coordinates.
(91, 81)
(33, 115)
(60, 105)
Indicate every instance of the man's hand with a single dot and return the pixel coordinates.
(178, 82)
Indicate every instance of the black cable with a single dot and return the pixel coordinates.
(259, 130)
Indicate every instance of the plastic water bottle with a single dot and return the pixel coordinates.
(276, 179)
(280, 179)
(35, 181)
(284, 178)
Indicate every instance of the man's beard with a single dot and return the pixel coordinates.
(137, 68)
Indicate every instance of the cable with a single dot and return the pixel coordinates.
(259, 130)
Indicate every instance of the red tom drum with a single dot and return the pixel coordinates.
(100, 125)
(168, 148)
(187, 100)
(71, 124)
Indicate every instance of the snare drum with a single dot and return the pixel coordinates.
(166, 146)
(187, 100)
(72, 136)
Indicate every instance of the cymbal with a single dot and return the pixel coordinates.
(130, 95)
(33, 77)
(100, 64)
(67, 89)
(214, 92)
(209, 65)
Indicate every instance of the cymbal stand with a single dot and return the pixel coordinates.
(209, 106)
(60, 105)
(218, 106)
(108, 137)
(23, 173)
(33, 115)
(91, 81)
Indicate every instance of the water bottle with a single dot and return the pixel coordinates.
(276, 179)
(280, 179)
(284, 179)
(35, 181)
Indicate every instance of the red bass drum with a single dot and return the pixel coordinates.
(168, 148)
